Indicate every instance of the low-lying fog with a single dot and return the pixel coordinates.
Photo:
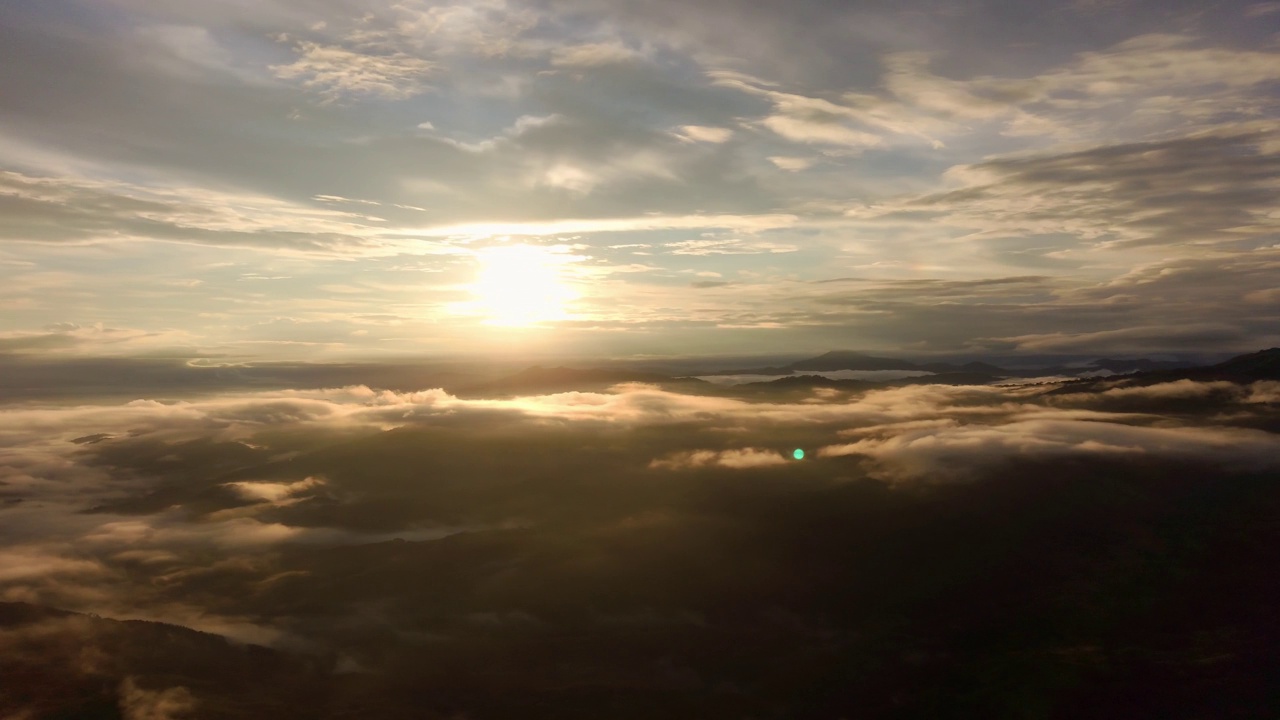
(571, 554)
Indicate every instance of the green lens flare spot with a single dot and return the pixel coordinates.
(798, 454)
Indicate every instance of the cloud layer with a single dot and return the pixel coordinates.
(393, 535)
(96, 492)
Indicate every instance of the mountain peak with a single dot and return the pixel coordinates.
(1264, 363)
(850, 360)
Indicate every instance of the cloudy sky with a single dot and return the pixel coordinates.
(331, 179)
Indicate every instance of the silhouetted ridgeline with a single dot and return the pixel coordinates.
(1261, 365)
(25, 378)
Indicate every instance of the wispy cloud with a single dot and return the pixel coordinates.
(335, 72)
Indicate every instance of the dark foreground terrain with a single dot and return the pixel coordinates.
(1104, 551)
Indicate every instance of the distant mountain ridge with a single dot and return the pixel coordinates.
(1138, 365)
(1250, 367)
(563, 379)
(846, 360)
(1261, 365)
(837, 360)
(1264, 364)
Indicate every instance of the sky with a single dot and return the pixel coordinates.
(336, 180)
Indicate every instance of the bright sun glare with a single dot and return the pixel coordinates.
(521, 285)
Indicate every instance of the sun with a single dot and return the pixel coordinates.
(521, 286)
